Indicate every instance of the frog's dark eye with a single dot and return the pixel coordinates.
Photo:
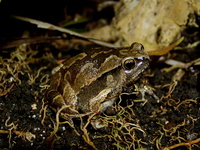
(129, 63)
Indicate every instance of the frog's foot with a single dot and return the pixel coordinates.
(146, 88)
(98, 122)
(68, 119)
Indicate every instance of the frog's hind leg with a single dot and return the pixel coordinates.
(54, 99)
(56, 102)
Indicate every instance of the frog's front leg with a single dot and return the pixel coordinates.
(98, 105)
(96, 121)
(145, 87)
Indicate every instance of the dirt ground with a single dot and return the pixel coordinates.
(170, 122)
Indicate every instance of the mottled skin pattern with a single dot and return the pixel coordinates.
(94, 79)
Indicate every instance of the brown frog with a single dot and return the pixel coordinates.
(90, 82)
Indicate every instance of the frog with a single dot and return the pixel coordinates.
(92, 81)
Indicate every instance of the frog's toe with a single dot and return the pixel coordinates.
(98, 123)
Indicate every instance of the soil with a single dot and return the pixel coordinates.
(174, 118)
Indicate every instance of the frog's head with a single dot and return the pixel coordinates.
(135, 61)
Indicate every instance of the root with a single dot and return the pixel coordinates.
(183, 144)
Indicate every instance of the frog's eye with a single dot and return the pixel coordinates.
(137, 46)
(128, 63)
